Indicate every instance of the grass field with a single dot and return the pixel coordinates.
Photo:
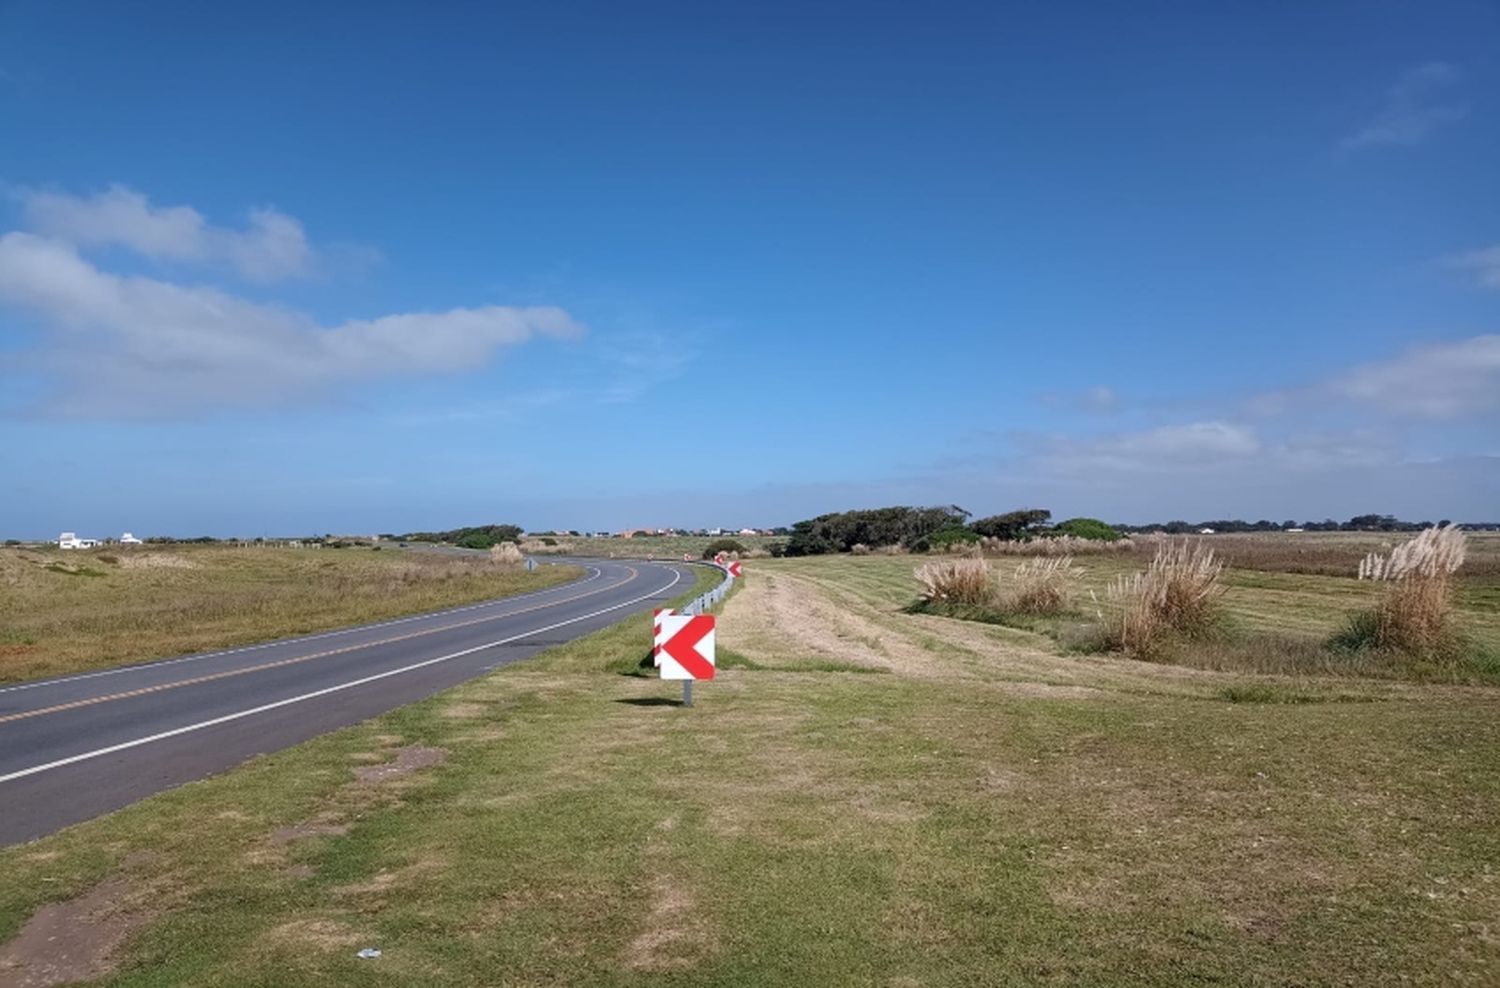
(863, 796)
(62, 612)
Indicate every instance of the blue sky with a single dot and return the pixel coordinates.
(283, 269)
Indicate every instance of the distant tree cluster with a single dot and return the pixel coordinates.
(874, 527)
(923, 529)
(474, 537)
(1359, 523)
(1012, 525)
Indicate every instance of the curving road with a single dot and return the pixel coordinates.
(76, 747)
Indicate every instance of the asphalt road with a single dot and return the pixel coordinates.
(76, 747)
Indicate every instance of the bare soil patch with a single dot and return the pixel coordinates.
(74, 940)
(410, 759)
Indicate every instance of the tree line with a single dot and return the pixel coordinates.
(918, 529)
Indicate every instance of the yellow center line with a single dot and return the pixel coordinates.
(75, 704)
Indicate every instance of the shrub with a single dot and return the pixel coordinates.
(1175, 595)
(1415, 615)
(956, 581)
(725, 546)
(955, 537)
(1042, 586)
(859, 549)
(506, 554)
(1087, 528)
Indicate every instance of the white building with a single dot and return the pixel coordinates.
(69, 540)
(128, 539)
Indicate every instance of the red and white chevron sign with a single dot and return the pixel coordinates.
(687, 650)
(735, 569)
(657, 638)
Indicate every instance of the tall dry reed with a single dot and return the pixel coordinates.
(1042, 586)
(1059, 545)
(1176, 595)
(956, 581)
(1415, 614)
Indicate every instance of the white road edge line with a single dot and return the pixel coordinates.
(293, 641)
(188, 729)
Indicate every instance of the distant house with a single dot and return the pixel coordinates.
(1205, 531)
(69, 540)
(128, 539)
(1296, 529)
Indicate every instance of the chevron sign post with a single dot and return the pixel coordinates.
(687, 651)
(735, 569)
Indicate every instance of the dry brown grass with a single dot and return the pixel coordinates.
(1416, 613)
(1330, 553)
(1060, 545)
(65, 612)
(1175, 595)
(1041, 586)
(956, 581)
(507, 554)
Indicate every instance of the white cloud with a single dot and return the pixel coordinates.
(1415, 107)
(140, 347)
(1442, 381)
(272, 246)
(1439, 382)
(1192, 445)
(1483, 263)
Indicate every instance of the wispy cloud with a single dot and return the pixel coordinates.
(140, 347)
(1483, 264)
(1419, 104)
(270, 247)
(1448, 381)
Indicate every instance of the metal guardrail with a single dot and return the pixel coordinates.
(701, 603)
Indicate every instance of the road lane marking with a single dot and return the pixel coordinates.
(189, 728)
(294, 660)
(304, 638)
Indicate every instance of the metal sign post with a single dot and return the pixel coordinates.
(687, 692)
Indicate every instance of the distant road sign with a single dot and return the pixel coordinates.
(736, 570)
(687, 651)
(530, 564)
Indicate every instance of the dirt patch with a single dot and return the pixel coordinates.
(674, 937)
(410, 759)
(300, 871)
(465, 711)
(74, 940)
(786, 615)
(303, 831)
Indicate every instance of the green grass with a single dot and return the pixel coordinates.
(987, 812)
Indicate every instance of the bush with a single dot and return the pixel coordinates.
(506, 554)
(956, 535)
(859, 549)
(956, 581)
(1087, 528)
(1042, 586)
(1176, 595)
(725, 546)
(1416, 614)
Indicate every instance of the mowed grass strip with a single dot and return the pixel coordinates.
(63, 612)
(984, 813)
